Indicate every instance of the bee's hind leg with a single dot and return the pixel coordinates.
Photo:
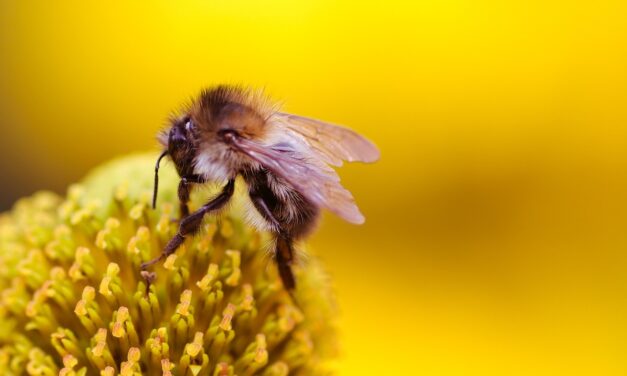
(284, 258)
(191, 223)
(284, 252)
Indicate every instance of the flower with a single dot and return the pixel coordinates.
(74, 301)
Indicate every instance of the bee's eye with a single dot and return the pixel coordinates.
(189, 125)
(177, 136)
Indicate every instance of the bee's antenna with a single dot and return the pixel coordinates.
(154, 195)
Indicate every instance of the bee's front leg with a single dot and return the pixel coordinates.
(185, 186)
(191, 223)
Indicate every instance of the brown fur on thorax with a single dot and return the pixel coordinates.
(241, 109)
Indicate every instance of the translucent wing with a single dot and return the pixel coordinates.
(314, 180)
(332, 144)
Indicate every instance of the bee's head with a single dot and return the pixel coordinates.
(179, 143)
(179, 135)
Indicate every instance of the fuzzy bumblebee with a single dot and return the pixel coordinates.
(285, 161)
(73, 302)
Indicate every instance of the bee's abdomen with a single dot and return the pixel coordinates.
(295, 215)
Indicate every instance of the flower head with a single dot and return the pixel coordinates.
(74, 302)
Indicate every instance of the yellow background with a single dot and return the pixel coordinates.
(496, 234)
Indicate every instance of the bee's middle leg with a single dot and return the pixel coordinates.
(191, 223)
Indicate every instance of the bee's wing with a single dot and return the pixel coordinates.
(317, 182)
(331, 143)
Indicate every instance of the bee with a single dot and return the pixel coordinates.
(285, 160)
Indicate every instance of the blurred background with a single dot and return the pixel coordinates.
(496, 233)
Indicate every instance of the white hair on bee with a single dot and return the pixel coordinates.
(255, 219)
(212, 164)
